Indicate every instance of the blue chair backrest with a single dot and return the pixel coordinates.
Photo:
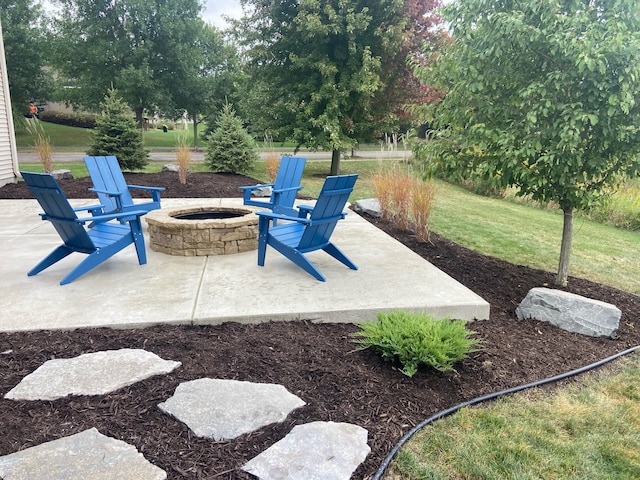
(58, 210)
(329, 207)
(289, 175)
(106, 174)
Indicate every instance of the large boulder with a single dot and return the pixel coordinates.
(570, 312)
(370, 206)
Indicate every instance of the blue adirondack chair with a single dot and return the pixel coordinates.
(112, 189)
(311, 230)
(100, 242)
(284, 188)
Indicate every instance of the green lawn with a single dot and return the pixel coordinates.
(588, 430)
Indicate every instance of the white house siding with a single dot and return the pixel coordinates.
(8, 153)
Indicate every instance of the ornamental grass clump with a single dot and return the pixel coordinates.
(382, 185)
(183, 154)
(415, 339)
(272, 161)
(401, 183)
(422, 195)
(42, 145)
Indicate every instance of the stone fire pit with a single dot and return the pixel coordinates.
(203, 230)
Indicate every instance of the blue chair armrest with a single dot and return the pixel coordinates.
(144, 187)
(111, 216)
(89, 208)
(280, 190)
(116, 195)
(304, 210)
(250, 188)
(155, 191)
(253, 187)
(278, 216)
(108, 192)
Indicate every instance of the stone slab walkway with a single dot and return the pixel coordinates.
(83, 456)
(216, 408)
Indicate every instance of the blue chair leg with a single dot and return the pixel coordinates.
(300, 260)
(336, 253)
(263, 233)
(58, 254)
(96, 258)
(138, 240)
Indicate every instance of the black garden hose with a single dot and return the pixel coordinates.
(445, 413)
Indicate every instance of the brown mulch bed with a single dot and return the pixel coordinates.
(314, 361)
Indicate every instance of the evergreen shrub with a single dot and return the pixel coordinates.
(230, 147)
(415, 339)
(117, 133)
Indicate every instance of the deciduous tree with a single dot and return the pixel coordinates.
(147, 50)
(541, 96)
(26, 53)
(323, 71)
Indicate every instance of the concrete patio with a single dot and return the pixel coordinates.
(215, 289)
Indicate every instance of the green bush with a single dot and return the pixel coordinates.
(231, 149)
(416, 338)
(116, 133)
(82, 120)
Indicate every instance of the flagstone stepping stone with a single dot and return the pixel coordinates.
(85, 455)
(225, 409)
(314, 451)
(90, 374)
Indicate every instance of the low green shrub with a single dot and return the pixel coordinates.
(416, 339)
(83, 120)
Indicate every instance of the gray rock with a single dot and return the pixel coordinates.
(370, 206)
(314, 451)
(90, 374)
(570, 312)
(62, 174)
(225, 409)
(170, 167)
(262, 191)
(85, 455)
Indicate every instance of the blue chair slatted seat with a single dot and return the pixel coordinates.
(100, 241)
(311, 230)
(112, 189)
(284, 188)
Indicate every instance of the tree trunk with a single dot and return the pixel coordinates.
(335, 162)
(565, 249)
(139, 118)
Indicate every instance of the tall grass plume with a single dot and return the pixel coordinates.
(42, 145)
(422, 195)
(383, 188)
(183, 155)
(403, 198)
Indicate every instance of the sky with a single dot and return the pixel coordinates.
(214, 9)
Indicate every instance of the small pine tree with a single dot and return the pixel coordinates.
(116, 133)
(231, 149)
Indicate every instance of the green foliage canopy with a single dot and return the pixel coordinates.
(26, 53)
(542, 96)
(144, 49)
(319, 69)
